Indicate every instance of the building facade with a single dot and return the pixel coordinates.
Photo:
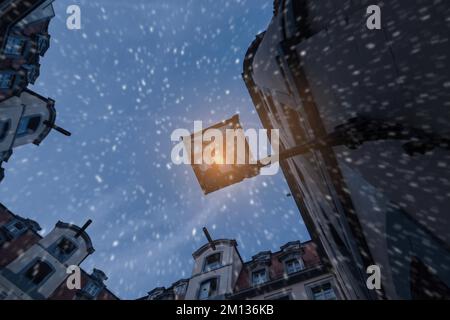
(33, 267)
(373, 189)
(25, 116)
(296, 272)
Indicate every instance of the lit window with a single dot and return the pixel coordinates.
(323, 291)
(28, 125)
(212, 262)
(14, 46)
(6, 80)
(259, 277)
(293, 266)
(92, 289)
(38, 272)
(208, 289)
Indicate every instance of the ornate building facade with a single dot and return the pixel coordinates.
(294, 273)
(33, 267)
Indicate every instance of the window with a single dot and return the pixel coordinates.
(38, 272)
(208, 289)
(28, 125)
(92, 289)
(4, 128)
(259, 277)
(212, 262)
(6, 80)
(14, 46)
(15, 228)
(293, 266)
(323, 291)
(63, 249)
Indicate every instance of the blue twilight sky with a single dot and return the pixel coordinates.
(136, 71)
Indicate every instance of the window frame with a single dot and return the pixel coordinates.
(217, 283)
(55, 246)
(13, 53)
(13, 231)
(205, 264)
(299, 261)
(266, 274)
(313, 285)
(29, 117)
(29, 281)
(90, 285)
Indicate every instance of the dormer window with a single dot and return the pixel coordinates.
(259, 277)
(15, 228)
(63, 249)
(212, 262)
(28, 125)
(293, 265)
(14, 46)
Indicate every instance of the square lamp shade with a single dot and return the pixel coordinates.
(221, 172)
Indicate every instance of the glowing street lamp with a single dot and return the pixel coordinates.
(214, 165)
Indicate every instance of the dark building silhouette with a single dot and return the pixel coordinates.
(374, 188)
(25, 116)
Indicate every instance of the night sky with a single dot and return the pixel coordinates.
(136, 71)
